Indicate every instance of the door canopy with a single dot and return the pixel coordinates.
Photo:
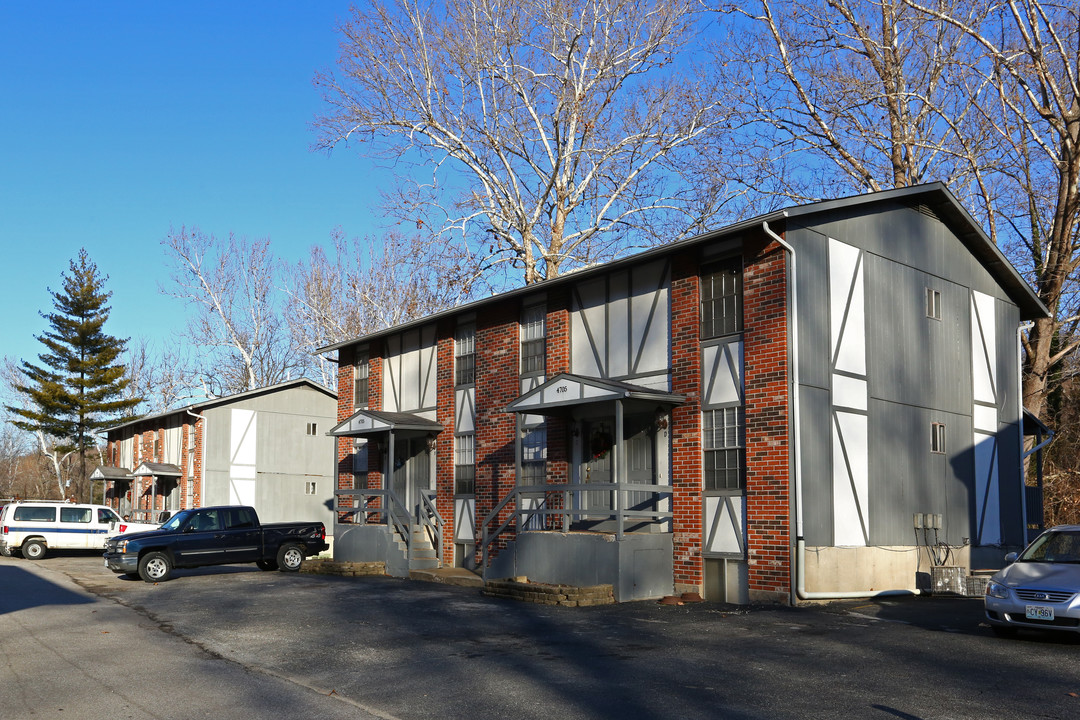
(368, 422)
(565, 391)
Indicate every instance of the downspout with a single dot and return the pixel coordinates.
(202, 447)
(801, 593)
(1021, 327)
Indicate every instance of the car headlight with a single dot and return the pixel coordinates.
(996, 589)
(121, 546)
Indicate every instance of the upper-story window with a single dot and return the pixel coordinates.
(533, 348)
(721, 300)
(722, 441)
(465, 355)
(465, 464)
(360, 379)
(933, 303)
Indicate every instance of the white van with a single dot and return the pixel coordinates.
(32, 528)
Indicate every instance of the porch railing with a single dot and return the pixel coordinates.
(534, 514)
(384, 507)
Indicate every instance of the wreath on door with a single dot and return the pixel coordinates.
(599, 444)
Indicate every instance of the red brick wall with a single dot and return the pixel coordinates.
(768, 480)
(444, 450)
(686, 454)
(498, 351)
(557, 361)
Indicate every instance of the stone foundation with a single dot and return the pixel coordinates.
(544, 594)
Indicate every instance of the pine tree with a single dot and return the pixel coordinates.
(76, 390)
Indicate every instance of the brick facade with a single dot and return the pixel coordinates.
(766, 381)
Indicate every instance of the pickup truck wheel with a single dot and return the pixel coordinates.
(289, 557)
(33, 549)
(266, 564)
(155, 567)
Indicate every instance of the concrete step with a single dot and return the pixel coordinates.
(448, 576)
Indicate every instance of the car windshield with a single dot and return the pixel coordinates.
(1059, 546)
(176, 520)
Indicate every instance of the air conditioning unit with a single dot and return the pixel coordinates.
(948, 580)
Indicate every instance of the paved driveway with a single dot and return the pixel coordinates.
(404, 649)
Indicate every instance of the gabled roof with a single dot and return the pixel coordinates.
(159, 469)
(110, 472)
(935, 196)
(565, 390)
(366, 422)
(206, 404)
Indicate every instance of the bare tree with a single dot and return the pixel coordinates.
(237, 322)
(1029, 53)
(48, 448)
(162, 377)
(368, 285)
(554, 131)
(863, 95)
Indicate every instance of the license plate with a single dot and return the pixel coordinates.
(106, 563)
(1039, 612)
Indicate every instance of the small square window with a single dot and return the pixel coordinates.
(933, 304)
(312, 428)
(310, 488)
(937, 438)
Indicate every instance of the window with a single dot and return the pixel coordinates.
(311, 488)
(533, 349)
(723, 445)
(937, 438)
(240, 518)
(76, 514)
(360, 380)
(465, 355)
(105, 515)
(312, 429)
(534, 456)
(933, 304)
(360, 463)
(35, 514)
(721, 301)
(465, 464)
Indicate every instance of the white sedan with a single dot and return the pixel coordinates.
(1040, 588)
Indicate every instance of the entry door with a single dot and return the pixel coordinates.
(640, 449)
(412, 471)
(596, 466)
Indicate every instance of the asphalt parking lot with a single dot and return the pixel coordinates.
(406, 649)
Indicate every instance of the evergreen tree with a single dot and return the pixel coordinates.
(76, 390)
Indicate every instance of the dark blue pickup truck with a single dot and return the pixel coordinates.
(213, 536)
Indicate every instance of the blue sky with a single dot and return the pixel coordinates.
(119, 120)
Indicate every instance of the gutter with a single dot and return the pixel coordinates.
(801, 593)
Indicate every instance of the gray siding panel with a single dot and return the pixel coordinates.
(906, 478)
(812, 288)
(816, 464)
(912, 358)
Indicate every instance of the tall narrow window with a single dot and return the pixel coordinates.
(937, 438)
(360, 380)
(723, 444)
(933, 304)
(721, 301)
(534, 456)
(533, 349)
(465, 464)
(360, 463)
(465, 355)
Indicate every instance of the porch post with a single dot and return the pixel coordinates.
(618, 467)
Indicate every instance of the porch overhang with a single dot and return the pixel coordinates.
(111, 473)
(565, 391)
(148, 469)
(370, 422)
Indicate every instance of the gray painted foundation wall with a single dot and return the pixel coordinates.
(640, 567)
